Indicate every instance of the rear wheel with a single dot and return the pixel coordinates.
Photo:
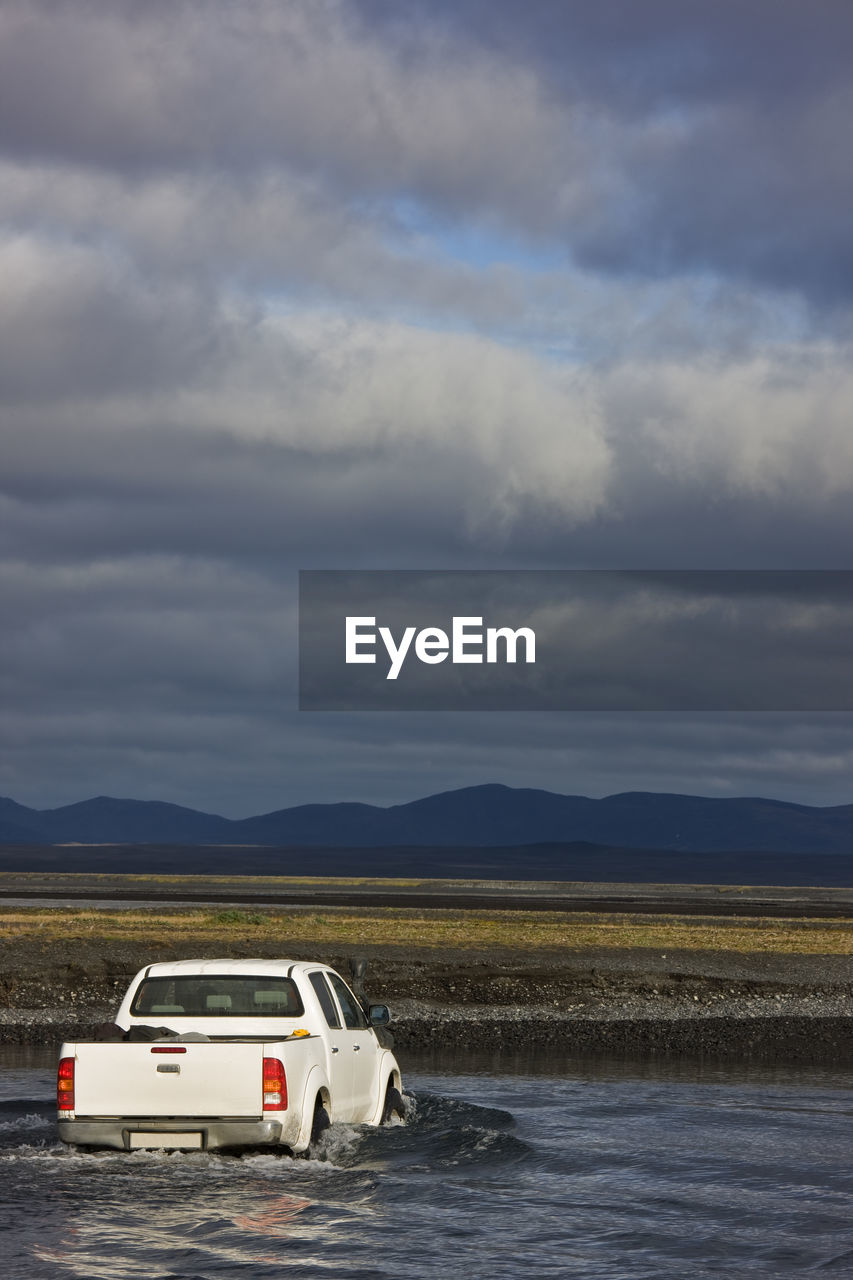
(320, 1123)
(394, 1105)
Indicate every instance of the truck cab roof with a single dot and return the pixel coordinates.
(178, 968)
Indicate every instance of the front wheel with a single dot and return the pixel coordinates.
(394, 1105)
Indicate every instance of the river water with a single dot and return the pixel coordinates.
(542, 1168)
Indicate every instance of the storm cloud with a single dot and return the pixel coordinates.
(301, 285)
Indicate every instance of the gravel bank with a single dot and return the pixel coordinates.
(764, 1034)
(824, 1039)
(632, 1004)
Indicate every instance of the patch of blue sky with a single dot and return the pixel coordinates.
(561, 294)
(524, 322)
(476, 243)
(550, 307)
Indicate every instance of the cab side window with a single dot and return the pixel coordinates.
(324, 995)
(351, 1009)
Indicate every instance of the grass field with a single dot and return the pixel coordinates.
(435, 929)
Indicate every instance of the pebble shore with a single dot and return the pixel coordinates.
(718, 1007)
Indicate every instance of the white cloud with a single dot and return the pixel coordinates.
(773, 425)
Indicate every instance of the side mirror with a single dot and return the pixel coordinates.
(379, 1015)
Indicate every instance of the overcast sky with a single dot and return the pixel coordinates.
(469, 284)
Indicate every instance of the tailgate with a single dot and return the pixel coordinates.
(192, 1079)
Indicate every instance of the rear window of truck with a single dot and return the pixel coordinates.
(213, 996)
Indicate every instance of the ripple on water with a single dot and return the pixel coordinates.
(558, 1177)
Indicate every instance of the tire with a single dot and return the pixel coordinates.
(394, 1105)
(320, 1123)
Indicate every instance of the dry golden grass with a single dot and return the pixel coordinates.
(474, 930)
(192, 882)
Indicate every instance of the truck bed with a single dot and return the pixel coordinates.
(194, 1094)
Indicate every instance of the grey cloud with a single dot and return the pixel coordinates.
(723, 754)
(72, 322)
(181, 392)
(651, 55)
(668, 139)
(263, 234)
(164, 630)
(716, 135)
(202, 250)
(164, 491)
(391, 401)
(238, 765)
(404, 448)
(226, 352)
(217, 759)
(752, 198)
(161, 491)
(172, 675)
(168, 86)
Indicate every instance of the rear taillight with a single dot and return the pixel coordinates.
(65, 1085)
(275, 1085)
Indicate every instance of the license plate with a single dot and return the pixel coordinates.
(182, 1141)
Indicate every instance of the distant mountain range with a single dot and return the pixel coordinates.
(473, 816)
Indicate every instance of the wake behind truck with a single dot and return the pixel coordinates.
(214, 1054)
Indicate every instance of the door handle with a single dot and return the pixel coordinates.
(356, 1048)
(334, 1048)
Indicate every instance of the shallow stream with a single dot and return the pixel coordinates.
(541, 1168)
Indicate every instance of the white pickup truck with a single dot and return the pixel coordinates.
(248, 1053)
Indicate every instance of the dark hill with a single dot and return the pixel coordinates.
(472, 816)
